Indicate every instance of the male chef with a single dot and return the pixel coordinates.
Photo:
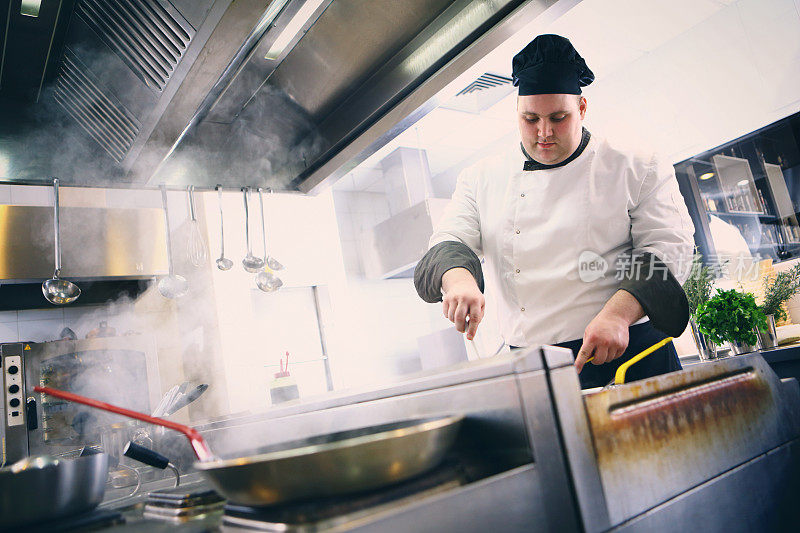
(584, 244)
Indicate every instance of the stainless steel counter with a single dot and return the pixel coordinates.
(713, 447)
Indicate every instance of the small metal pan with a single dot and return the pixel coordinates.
(327, 465)
(64, 488)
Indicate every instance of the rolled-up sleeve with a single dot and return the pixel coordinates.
(456, 241)
(461, 220)
(660, 221)
(663, 244)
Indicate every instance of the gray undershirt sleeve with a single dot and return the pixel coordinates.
(438, 260)
(652, 284)
(659, 294)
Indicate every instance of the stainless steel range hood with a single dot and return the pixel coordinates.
(200, 92)
(281, 122)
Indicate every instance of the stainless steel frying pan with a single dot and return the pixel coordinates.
(62, 488)
(326, 465)
(334, 464)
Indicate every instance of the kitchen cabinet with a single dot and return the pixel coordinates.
(744, 196)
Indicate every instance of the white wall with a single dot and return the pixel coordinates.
(733, 72)
(388, 315)
(356, 213)
(256, 328)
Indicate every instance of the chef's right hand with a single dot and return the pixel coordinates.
(462, 299)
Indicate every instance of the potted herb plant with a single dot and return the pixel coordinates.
(777, 291)
(734, 317)
(698, 290)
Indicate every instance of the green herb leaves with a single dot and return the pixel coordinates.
(784, 286)
(698, 286)
(731, 316)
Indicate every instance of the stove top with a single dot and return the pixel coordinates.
(326, 513)
(181, 505)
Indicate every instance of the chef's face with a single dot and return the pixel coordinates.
(550, 125)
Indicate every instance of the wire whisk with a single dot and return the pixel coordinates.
(198, 249)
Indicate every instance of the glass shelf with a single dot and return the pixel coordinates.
(747, 193)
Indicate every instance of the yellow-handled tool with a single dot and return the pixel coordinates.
(619, 377)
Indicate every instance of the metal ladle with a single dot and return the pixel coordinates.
(59, 291)
(223, 263)
(251, 263)
(171, 286)
(265, 279)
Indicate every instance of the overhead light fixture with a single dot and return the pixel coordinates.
(707, 176)
(293, 28)
(30, 8)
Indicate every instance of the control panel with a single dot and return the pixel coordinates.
(15, 404)
(12, 364)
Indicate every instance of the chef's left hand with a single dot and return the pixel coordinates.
(606, 337)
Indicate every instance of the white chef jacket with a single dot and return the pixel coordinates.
(531, 228)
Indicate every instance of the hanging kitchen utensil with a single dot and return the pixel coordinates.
(268, 282)
(58, 291)
(172, 285)
(197, 250)
(251, 263)
(265, 279)
(223, 263)
(324, 465)
(270, 261)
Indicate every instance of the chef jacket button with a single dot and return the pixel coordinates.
(517, 271)
(522, 309)
(517, 232)
(522, 195)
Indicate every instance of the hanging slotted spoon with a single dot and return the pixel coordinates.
(270, 261)
(251, 263)
(172, 285)
(59, 291)
(223, 263)
(265, 279)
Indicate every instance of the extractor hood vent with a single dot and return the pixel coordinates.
(98, 112)
(149, 35)
(485, 81)
(481, 94)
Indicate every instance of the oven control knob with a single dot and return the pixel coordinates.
(13, 369)
(13, 389)
(14, 402)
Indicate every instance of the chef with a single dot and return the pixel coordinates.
(584, 244)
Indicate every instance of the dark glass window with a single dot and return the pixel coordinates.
(744, 196)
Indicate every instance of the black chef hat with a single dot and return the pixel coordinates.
(550, 65)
